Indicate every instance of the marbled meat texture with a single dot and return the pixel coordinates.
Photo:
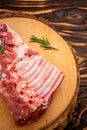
(27, 80)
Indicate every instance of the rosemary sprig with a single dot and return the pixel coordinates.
(43, 42)
(2, 48)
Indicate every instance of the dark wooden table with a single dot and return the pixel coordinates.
(69, 19)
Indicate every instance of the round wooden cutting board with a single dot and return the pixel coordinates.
(63, 59)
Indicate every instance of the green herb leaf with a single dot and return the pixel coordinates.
(2, 48)
(43, 42)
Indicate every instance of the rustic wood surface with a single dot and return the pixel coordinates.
(69, 19)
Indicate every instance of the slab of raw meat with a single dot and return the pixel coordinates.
(27, 80)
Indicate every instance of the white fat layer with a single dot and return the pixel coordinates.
(20, 50)
(3, 77)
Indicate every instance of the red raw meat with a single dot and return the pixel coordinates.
(27, 80)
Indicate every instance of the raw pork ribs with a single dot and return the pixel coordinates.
(27, 80)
